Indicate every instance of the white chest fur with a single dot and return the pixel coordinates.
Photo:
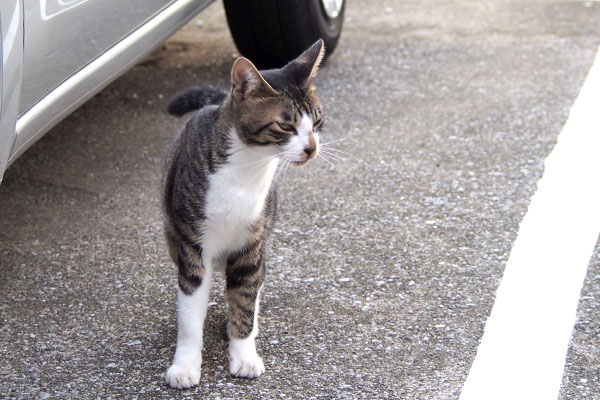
(236, 197)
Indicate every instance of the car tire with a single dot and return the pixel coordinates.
(272, 32)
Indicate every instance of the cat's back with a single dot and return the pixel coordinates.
(199, 141)
(199, 128)
(194, 154)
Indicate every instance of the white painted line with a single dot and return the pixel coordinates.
(524, 346)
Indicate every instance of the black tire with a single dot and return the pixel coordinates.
(272, 32)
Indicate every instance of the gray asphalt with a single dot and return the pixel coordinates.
(386, 259)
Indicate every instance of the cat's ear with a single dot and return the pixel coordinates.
(247, 82)
(306, 65)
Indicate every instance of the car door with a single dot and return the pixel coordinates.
(62, 36)
(11, 56)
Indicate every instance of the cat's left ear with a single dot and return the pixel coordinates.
(306, 65)
(247, 82)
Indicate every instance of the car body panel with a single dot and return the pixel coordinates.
(11, 31)
(62, 36)
(76, 88)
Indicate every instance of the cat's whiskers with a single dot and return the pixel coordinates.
(324, 158)
(266, 159)
(290, 158)
(349, 130)
(333, 155)
(335, 141)
(334, 150)
(262, 166)
(326, 149)
(258, 167)
(287, 167)
(286, 160)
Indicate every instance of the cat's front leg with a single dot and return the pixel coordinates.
(245, 275)
(192, 303)
(244, 361)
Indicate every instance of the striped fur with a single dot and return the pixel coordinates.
(218, 201)
(195, 98)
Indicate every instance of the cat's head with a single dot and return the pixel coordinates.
(279, 107)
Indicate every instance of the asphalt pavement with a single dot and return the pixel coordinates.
(387, 255)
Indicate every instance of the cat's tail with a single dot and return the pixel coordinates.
(194, 98)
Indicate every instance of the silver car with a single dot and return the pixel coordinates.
(56, 54)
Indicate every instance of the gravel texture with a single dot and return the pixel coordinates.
(387, 255)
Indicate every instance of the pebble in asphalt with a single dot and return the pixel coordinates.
(385, 260)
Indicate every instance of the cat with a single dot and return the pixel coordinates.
(219, 202)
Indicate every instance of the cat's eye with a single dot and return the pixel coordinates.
(287, 127)
(318, 123)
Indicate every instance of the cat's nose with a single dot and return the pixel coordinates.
(310, 152)
(311, 148)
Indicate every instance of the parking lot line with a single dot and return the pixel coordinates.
(525, 342)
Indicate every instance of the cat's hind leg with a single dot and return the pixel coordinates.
(192, 303)
(245, 274)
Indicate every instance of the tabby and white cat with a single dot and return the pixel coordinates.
(219, 203)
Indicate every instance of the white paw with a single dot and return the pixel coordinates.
(246, 366)
(183, 376)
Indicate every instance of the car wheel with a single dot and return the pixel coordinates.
(273, 32)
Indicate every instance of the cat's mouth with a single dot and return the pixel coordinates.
(306, 157)
(302, 163)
